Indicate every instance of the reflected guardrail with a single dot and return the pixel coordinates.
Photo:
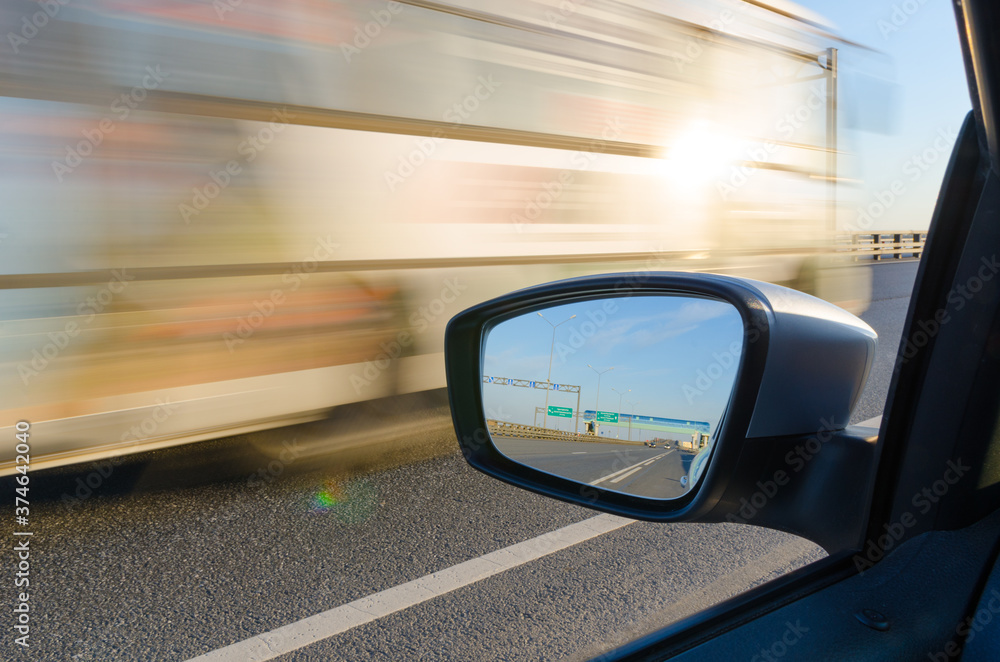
(519, 431)
(880, 245)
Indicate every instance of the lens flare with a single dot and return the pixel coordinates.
(327, 497)
(352, 502)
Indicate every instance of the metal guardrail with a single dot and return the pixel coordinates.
(879, 245)
(519, 431)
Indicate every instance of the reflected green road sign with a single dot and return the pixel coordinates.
(607, 417)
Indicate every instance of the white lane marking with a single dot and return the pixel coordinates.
(624, 476)
(326, 624)
(579, 453)
(621, 471)
(644, 464)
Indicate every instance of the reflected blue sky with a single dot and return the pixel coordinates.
(672, 357)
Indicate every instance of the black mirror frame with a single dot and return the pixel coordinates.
(464, 346)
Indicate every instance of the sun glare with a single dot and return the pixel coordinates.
(699, 155)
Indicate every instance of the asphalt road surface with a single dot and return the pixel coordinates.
(234, 547)
(892, 285)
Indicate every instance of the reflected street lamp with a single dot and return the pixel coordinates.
(597, 403)
(630, 417)
(545, 416)
(618, 435)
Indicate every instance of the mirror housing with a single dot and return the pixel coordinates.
(783, 455)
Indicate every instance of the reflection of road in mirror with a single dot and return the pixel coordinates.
(635, 469)
(619, 393)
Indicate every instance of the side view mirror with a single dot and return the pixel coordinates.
(667, 370)
(670, 397)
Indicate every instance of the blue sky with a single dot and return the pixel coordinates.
(919, 40)
(675, 356)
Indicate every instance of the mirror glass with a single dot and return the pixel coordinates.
(624, 393)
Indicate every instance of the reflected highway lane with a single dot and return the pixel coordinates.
(631, 468)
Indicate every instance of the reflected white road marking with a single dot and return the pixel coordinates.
(324, 625)
(624, 476)
(621, 471)
(644, 464)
